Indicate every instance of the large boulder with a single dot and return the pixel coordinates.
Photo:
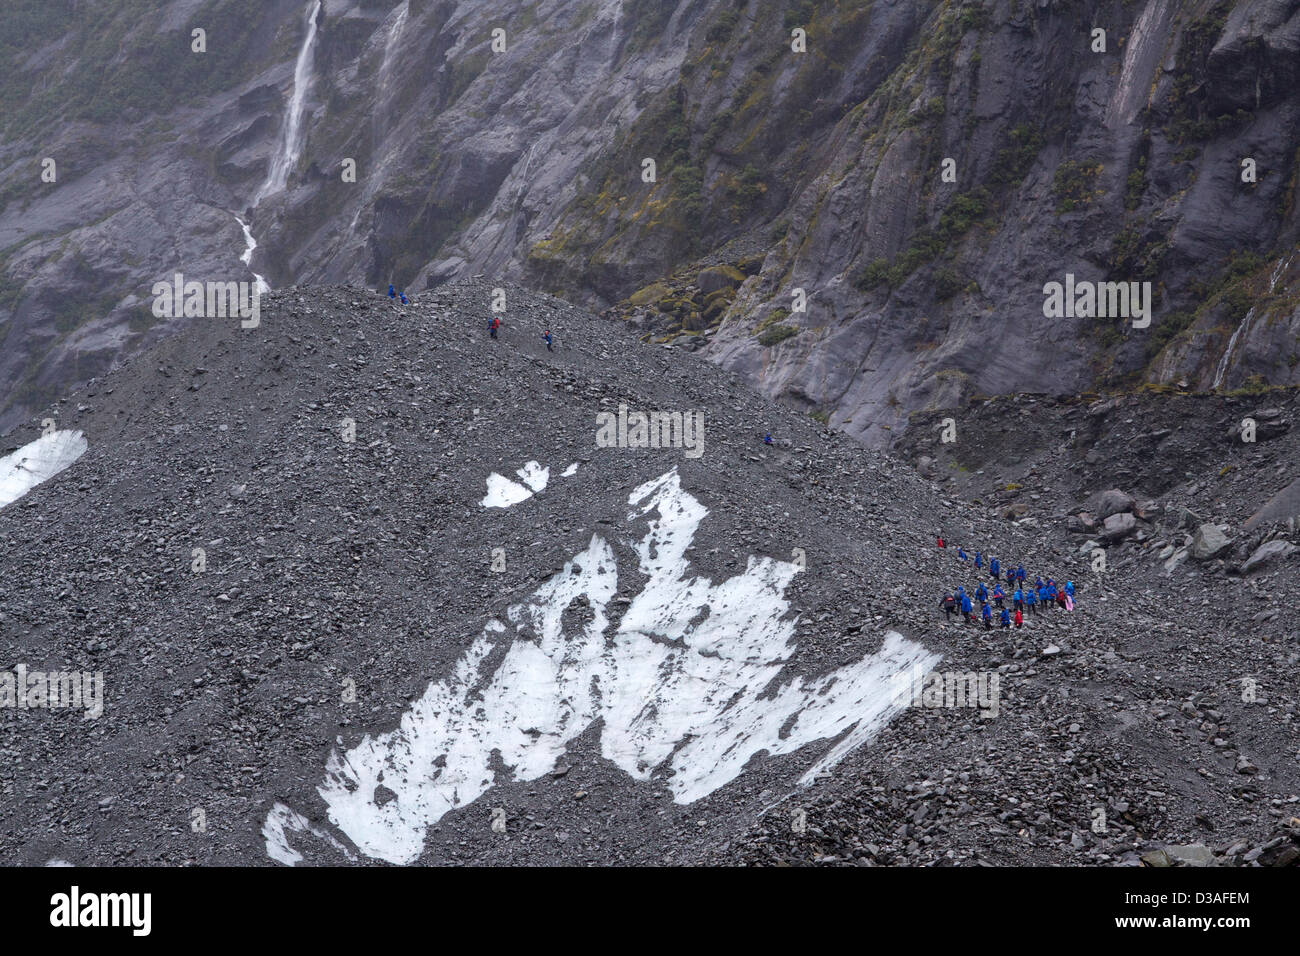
(1117, 527)
(719, 277)
(1283, 505)
(1266, 552)
(1113, 502)
(1209, 542)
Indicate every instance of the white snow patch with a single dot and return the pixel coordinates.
(502, 492)
(688, 685)
(282, 818)
(38, 461)
(570, 471)
(534, 476)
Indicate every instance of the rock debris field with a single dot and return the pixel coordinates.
(363, 589)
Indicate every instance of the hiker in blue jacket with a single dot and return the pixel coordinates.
(1031, 600)
(547, 337)
(392, 293)
(1020, 572)
(1019, 598)
(995, 567)
(1069, 589)
(979, 561)
(966, 606)
(998, 595)
(982, 592)
(961, 553)
(403, 297)
(1004, 619)
(986, 612)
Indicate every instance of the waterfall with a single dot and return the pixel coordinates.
(385, 68)
(1222, 370)
(1227, 353)
(291, 142)
(246, 257)
(286, 157)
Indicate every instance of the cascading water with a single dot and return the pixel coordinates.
(247, 256)
(1222, 370)
(379, 118)
(286, 157)
(385, 68)
(291, 142)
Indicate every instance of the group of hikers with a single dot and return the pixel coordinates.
(493, 326)
(1025, 598)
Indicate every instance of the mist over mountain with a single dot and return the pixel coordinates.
(913, 179)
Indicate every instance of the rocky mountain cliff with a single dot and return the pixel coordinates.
(1161, 150)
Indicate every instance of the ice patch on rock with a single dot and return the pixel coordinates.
(281, 819)
(689, 685)
(38, 461)
(570, 471)
(502, 492)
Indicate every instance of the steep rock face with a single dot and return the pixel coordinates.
(527, 163)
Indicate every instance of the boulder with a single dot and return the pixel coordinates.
(1266, 552)
(719, 277)
(1209, 542)
(1113, 502)
(1191, 854)
(1283, 505)
(1118, 526)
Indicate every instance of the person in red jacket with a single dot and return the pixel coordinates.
(1020, 619)
(939, 541)
(493, 326)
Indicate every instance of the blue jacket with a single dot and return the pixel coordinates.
(986, 611)
(1030, 598)
(994, 566)
(392, 293)
(1069, 588)
(1019, 595)
(979, 562)
(1005, 616)
(961, 554)
(982, 592)
(966, 604)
